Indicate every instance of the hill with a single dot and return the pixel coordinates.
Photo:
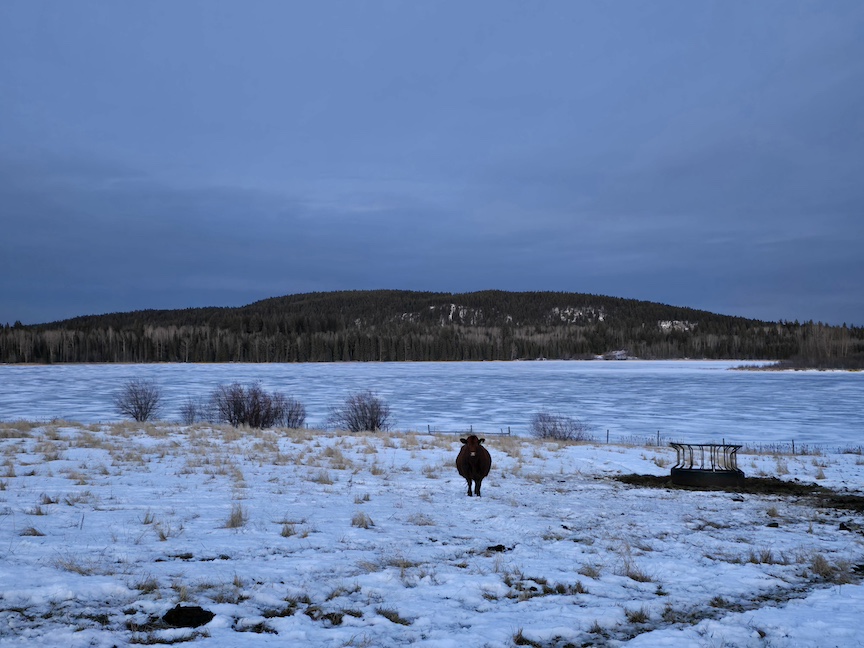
(390, 325)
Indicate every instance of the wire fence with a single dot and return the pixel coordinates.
(658, 440)
(469, 431)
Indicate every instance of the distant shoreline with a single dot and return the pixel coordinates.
(598, 360)
(789, 365)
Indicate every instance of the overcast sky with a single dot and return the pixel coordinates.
(170, 154)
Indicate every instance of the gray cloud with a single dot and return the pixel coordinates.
(164, 155)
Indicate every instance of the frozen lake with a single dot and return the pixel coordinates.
(684, 400)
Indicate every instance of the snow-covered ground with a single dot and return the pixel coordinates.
(325, 539)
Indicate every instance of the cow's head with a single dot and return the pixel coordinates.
(472, 443)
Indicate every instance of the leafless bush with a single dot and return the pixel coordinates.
(294, 414)
(558, 427)
(252, 406)
(361, 412)
(194, 411)
(139, 399)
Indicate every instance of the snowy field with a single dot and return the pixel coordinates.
(311, 538)
(689, 400)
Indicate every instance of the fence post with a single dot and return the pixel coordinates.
(658, 438)
(607, 436)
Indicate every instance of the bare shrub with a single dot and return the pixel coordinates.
(194, 411)
(294, 414)
(229, 404)
(557, 427)
(256, 408)
(361, 412)
(139, 399)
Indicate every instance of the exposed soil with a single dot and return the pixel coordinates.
(822, 497)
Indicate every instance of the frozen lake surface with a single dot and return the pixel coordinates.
(682, 400)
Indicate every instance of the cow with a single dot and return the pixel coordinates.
(473, 462)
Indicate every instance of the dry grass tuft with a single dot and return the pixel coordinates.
(631, 571)
(519, 639)
(766, 556)
(146, 585)
(79, 565)
(591, 571)
(362, 521)
(237, 518)
(822, 569)
(392, 616)
(421, 520)
(637, 616)
(321, 477)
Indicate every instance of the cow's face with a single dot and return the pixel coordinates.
(472, 444)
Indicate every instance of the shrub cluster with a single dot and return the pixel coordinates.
(559, 428)
(139, 399)
(361, 412)
(253, 407)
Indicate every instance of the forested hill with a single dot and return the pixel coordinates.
(416, 326)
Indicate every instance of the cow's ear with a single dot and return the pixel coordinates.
(482, 440)
(464, 440)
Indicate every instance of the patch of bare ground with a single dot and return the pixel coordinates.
(819, 495)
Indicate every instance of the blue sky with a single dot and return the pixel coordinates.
(174, 154)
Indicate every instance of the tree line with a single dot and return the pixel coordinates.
(414, 326)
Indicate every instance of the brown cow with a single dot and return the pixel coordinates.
(473, 462)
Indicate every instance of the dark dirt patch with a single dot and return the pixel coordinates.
(191, 616)
(496, 548)
(823, 497)
(854, 503)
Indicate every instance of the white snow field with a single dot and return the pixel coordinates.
(310, 538)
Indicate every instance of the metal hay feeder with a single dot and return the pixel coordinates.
(704, 465)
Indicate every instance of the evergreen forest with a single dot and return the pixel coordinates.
(389, 325)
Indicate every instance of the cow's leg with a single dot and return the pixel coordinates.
(468, 479)
(477, 487)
